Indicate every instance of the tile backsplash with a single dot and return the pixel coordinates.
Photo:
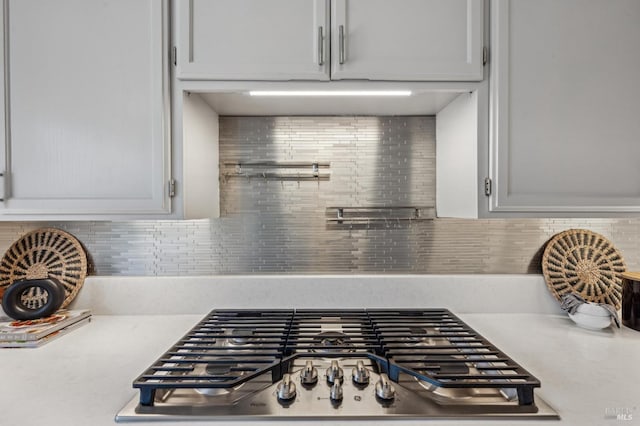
(271, 224)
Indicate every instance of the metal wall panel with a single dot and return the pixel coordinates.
(272, 226)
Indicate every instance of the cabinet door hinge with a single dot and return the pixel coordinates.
(172, 188)
(485, 55)
(174, 55)
(487, 186)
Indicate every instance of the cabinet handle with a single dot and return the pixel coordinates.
(341, 44)
(3, 187)
(320, 47)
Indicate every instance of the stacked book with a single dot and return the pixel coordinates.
(34, 333)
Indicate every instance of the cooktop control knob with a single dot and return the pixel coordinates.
(286, 389)
(335, 393)
(384, 388)
(334, 373)
(309, 374)
(360, 374)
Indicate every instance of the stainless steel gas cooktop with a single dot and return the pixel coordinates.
(351, 364)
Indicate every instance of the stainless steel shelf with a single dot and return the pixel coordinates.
(244, 169)
(278, 164)
(280, 176)
(367, 214)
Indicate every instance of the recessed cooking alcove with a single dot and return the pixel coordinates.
(205, 105)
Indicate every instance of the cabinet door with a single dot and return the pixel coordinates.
(564, 106)
(407, 39)
(253, 39)
(86, 125)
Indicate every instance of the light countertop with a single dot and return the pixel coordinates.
(84, 378)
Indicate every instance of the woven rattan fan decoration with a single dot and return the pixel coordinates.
(583, 262)
(46, 253)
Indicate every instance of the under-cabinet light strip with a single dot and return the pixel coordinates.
(330, 93)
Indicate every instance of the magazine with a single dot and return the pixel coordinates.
(45, 339)
(32, 330)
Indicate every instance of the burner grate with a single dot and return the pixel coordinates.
(443, 351)
(224, 350)
(332, 334)
(231, 347)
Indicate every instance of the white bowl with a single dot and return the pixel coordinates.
(592, 317)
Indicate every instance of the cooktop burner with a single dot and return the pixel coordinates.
(371, 363)
(329, 341)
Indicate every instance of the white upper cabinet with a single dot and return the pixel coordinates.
(87, 110)
(253, 39)
(564, 107)
(407, 40)
(420, 40)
